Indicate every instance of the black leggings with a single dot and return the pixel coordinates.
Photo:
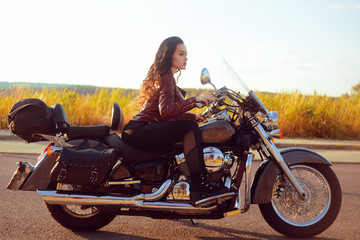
(157, 135)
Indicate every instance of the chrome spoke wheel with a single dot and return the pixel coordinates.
(80, 211)
(297, 211)
(82, 218)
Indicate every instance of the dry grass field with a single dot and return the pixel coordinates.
(309, 116)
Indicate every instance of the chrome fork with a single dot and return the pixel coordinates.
(276, 154)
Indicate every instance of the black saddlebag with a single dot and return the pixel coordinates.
(30, 116)
(84, 165)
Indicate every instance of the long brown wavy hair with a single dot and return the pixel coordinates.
(161, 65)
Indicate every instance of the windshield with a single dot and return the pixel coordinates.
(233, 81)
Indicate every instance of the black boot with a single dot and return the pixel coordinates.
(201, 188)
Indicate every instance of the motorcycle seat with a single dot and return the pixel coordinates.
(60, 118)
(117, 117)
(131, 154)
(98, 131)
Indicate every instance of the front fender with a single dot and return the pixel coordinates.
(262, 186)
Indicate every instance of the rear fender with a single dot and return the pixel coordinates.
(40, 176)
(262, 186)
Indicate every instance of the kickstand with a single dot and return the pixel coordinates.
(194, 221)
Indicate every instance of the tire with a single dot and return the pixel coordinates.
(290, 215)
(79, 218)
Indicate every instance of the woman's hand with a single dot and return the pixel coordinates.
(206, 99)
(199, 117)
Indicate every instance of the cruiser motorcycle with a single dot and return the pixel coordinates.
(295, 188)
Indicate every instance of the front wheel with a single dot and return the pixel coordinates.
(293, 216)
(80, 218)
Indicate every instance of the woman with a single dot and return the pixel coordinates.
(164, 119)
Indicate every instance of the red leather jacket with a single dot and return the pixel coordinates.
(169, 104)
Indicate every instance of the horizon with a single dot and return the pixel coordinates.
(59, 85)
(274, 46)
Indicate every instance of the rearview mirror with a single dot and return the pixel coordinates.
(205, 76)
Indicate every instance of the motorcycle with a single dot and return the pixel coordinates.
(295, 188)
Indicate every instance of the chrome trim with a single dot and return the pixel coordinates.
(51, 197)
(261, 116)
(171, 206)
(181, 191)
(238, 200)
(228, 182)
(218, 198)
(55, 148)
(213, 159)
(275, 134)
(228, 161)
(41, 159)
(20, 175)
(124, 182)
(180, 158)
(276, 154)
(223, 115)
(54, 197)
(249, 160)
(158, 194)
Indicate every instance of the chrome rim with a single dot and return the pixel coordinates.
(77, 211)
(80, 211)
(297, 211)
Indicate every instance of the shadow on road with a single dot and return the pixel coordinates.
(238, 234)
(108, 235)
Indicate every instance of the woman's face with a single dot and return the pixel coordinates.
(179, 58)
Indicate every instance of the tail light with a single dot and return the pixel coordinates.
(47, 150)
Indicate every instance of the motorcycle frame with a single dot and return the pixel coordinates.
(260, 191)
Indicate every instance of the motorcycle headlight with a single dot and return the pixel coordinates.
(272, 119)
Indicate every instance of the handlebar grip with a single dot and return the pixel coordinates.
(200, 104)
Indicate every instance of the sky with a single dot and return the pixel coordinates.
(275, 46)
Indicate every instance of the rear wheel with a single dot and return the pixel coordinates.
(293, 216)
(80, 218)
(77, 217)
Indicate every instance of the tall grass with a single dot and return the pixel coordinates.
(316, 116)
(81, 109)
(310, 116)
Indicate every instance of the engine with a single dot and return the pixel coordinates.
(215, 161)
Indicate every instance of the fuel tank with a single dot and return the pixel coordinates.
(216, 131)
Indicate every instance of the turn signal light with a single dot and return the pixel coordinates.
(278, 133)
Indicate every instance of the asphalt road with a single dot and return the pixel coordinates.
(23, 215)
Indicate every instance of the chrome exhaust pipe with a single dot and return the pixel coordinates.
(141, 201)
(138, 202)
(54, 197)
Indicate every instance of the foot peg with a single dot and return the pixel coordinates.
(215, 199)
